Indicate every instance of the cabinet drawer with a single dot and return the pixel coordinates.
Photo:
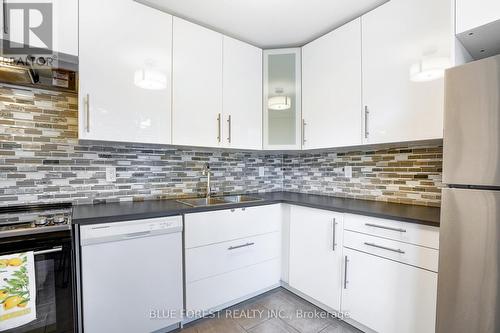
(401, 231)
(206, 261)
(418, 256)
(387, 296)
(207, 294)
(225, 225)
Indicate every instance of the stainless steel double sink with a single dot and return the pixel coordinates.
(213, 201)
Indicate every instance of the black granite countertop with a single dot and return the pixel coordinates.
(114, 212)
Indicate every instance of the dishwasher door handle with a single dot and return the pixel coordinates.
(137, 234)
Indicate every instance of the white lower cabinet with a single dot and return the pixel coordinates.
(388, 296)
(316, 254)
(230, 255)
(380, 274)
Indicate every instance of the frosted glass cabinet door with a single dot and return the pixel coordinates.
(125, 72)
(397, 35)
(282, 99)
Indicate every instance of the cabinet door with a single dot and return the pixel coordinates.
(472, 13)
(315, 254)
(331, 88)
(242, 95)
(197, 85)
(387, 296)
(62, 16)
(397, 35)
(282, 99)
(114, 56)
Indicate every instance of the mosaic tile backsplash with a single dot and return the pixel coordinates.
(41, 160)
(399, 175)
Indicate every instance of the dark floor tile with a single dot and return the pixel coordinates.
(340, 327)
(278, 311)
(273, 326)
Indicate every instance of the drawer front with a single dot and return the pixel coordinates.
(206, 294)
(414, 255)
(225, 225)
(206, 261)
(401, 231)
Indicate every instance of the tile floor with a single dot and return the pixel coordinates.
(277, 311)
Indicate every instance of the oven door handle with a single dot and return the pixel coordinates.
(55, 249)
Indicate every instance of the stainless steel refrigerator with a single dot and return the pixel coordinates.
(469, 255)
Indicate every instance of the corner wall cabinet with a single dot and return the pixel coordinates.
(331, 89)
(282, 99)
(125, 86)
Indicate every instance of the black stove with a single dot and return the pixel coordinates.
(46, 231)
(33, 219)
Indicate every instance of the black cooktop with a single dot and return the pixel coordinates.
(28, 219)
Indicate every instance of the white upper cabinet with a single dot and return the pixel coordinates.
(197, 118)
(315, 267)
(475, 13)
(282, 99)
(331, 89)
(59, 15)
(242, 95)
(125, 72)
(397, 36)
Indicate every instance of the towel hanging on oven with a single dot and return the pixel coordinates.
(17, 290)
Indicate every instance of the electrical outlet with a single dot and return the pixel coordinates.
(348, 171)
(110, 174)
(261, 171)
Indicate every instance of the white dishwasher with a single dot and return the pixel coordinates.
(131, 275)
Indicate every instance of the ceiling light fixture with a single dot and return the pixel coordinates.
(279, 103)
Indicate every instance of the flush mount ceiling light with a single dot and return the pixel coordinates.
(279, 103)
(150, 79)
(429, 69)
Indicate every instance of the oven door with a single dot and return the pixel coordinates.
(54, 280)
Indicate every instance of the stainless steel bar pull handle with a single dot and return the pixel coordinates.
(5, 18)
(55, 249)
(229, 128)
(240, 246)
(346, 260)
(87, 112)
(219, 128)
(367, 113)
(304, 131)
(385, 248)
(334, 227)
(384, 227)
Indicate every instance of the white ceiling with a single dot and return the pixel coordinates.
(268, 23)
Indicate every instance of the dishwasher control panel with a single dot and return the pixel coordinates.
(98, 233)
